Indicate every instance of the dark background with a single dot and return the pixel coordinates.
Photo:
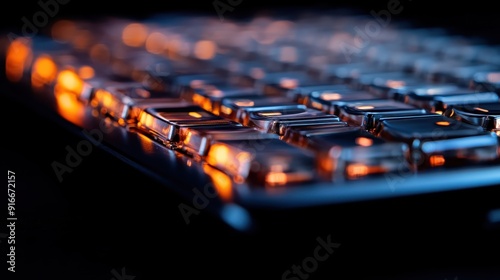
(469, 17)
(108, 216)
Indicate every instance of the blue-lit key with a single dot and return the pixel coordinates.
(438, 101)
(300, 94)
(436, 140)
(400, 93)
(382, 86)
(486, 115)
(330, 101)
(368, 113)
(273, 121)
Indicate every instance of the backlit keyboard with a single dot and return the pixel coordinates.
(274, 113)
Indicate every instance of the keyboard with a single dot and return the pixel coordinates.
(255, 118)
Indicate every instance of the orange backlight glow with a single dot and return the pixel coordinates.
(366, 107)
(86, 72)
(134, 35)
(363, 141)
(221, 182)
(69, 107)
(443, 123)
(44, 71)
(276, 178)
(395, 83)
(289, 83)
(481, 109)
(156, 43)
(205, 49)
(271, 114)
(18, 55)
(244, 103)
(436, 160)
(195, 115)
(328, 96)
(68, 80)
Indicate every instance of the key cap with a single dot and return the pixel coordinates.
(210, 97)
(352, 153)
(486, 115)
(237, 109)
(301, 93)
(174, 77)
(345, 73)
(382, 86)
(272, 121)
(438, 101)
(267, 162)
(277, 84)
(404, 61)
(123, 101)
(368, 113)
(299, 133)
(437, 140)
(163, 123)
(330, 101)
(400, 93)
(197, 140)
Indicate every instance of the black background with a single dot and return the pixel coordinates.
(99, 220)
(469, 17)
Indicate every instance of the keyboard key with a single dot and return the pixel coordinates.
(300, 94)
(346, 73)
(277, 84)
(272, 121)
(352, 153)
(197, 140)
(383, 86)
(400, 93)
(264, 162)
(163, 123)
(368, 113)
(330, 101)
(437, 140)
(363, 81)
(486, 115)
(438, 101)
(209, 97)
(298, 134)
(237, 109)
